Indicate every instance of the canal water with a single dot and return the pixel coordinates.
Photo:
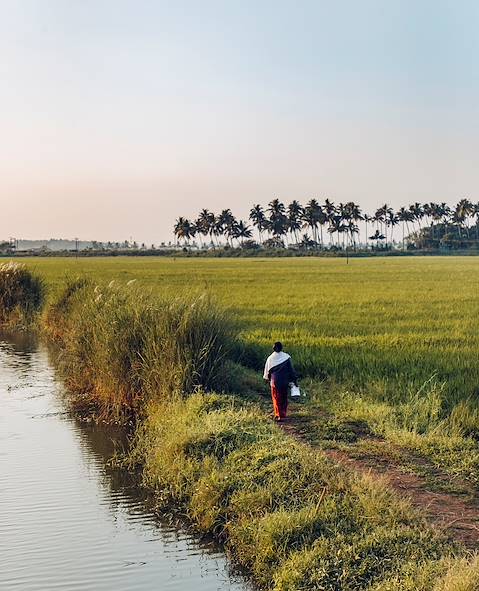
(67, 519)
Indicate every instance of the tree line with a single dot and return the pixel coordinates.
(310, 225)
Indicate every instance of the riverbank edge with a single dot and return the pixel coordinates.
(286, 514)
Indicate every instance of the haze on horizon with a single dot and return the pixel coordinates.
(119, 115)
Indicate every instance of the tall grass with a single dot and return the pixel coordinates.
(123, 347)
(21, 294)
(288, 515)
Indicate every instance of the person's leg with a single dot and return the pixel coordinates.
(275, 397)
(283, 402)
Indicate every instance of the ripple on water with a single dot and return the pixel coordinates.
(67, 520)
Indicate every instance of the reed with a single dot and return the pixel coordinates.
(122, 347)
(21, 294)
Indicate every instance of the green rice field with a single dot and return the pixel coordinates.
(389, 342)
(379, 325)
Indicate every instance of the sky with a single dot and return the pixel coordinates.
(118, 116)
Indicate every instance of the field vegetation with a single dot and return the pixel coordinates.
(388, 344)
(21, 294)
(391, 342)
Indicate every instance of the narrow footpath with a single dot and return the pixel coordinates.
(449, 504)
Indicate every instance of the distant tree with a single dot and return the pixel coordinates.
(241, 231)
(418, 213)
(307, 243)
(278, 221)
(225, 224)
(205, 224)
(312, 216)
(377, 236)
(258, 218)
(405, 216)
(295, 212)
(183, 230)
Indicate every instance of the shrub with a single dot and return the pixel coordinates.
(21, 294)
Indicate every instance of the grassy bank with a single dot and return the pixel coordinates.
(288, 515)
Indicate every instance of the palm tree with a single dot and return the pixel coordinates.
(183, 230)
(225, 224)
(367, 219)
(336, 225)
(278, 222)
(241, 231)
(391, 221)
(352, 214)
(405, 216)
(306, 242)
(294, 218)
(206, 223)
(463, 210)
(330, 210)
(312, 217)
(381, 216)
(476, 214)
(257, 216)
(417, 212)
(377, 236)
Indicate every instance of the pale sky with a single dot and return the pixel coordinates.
(117, 116)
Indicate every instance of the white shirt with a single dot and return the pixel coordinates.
(273, 360)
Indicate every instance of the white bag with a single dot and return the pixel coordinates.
(295, 391)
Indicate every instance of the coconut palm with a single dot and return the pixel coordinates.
(336, 226)
(241, 231)
(377, 236)
(463, 210)
(351, 213)
(418, 213)
(391, 221)
(205, 223)
(183, 230)
(311, 217)
(258, 218)
(294, 218)
(330, 209)
(382, 216)
(278, 221)
(225, 223)
(367, 219)
(405, 216)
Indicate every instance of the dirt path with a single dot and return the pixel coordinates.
(455, 514)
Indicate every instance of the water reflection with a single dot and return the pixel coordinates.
(67, 519)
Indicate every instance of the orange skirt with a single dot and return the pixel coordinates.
(280, 400)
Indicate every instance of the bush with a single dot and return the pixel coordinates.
(21, 294)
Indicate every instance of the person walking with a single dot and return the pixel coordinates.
(279, 372)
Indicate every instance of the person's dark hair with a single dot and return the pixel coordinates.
(278, 346)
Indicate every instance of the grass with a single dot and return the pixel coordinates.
(286, 513)
(380, 325)
(391, 342)
(289, 516)
(21, 294)
(121, 348)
